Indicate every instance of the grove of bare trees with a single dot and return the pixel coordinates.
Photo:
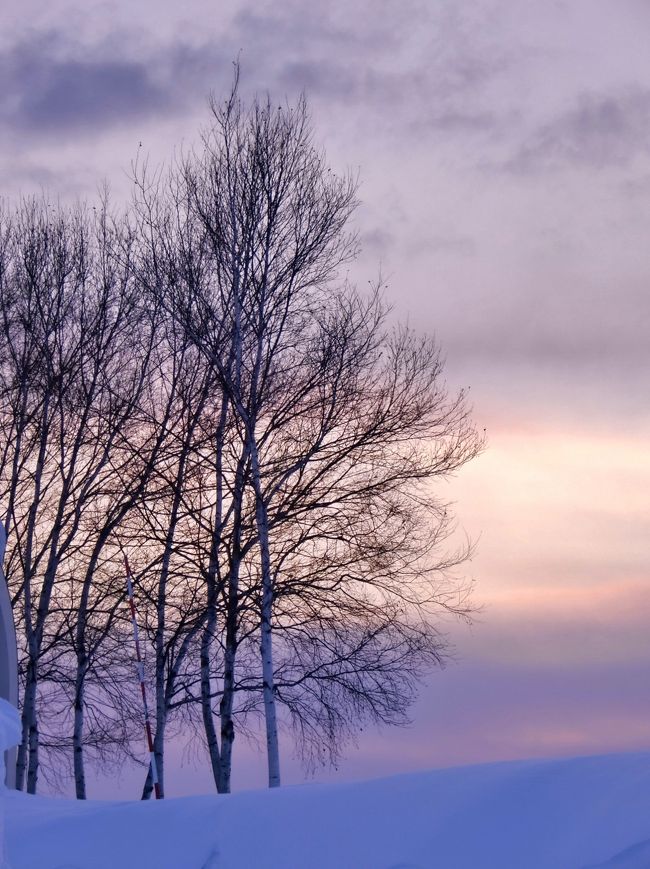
(193, 383)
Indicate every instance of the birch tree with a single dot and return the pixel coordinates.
(273, 219)
(76, 360)
(200, 387)
(334, 441)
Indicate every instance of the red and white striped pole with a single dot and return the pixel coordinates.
(140, 668)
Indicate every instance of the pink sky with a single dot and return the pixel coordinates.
(504, 151)
(557, 661)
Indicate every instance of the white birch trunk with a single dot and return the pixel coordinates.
(212, 740)
(28, 751)
(77, 738)
(266, 639)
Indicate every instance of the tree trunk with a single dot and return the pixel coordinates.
(228, 697)
(266, 641)
(159, 754)
(21, 754)
(77, 735)
(232, 627)
(28, 751)
(212, 740)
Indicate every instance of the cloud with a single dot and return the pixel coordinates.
(378, 241)
(415, 66)
(449, 243)
(292, 24)
(409, 97)
(419, 69)
(599, 130)
(54, 85)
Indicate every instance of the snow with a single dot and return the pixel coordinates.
(9, 736)
(558, 814)
(9, 731)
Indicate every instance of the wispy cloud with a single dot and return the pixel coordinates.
(599, 130)
(426, 67)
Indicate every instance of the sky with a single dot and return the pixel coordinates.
(504, 155)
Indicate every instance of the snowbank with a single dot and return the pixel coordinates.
(9, 736)
(564, 814)
(9, 732)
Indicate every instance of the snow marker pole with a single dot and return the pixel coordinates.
(140, 669)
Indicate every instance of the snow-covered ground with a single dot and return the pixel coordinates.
(560, 814)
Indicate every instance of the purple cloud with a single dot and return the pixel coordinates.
(599, 130)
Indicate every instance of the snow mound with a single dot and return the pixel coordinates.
(9, 725)
(9, 736)
(578, 813)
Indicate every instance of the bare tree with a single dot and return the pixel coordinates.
(199, 387)
(77, 343)
(342, 424)
(167, 528)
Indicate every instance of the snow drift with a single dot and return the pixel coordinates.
(561, 814)
(9, 736)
